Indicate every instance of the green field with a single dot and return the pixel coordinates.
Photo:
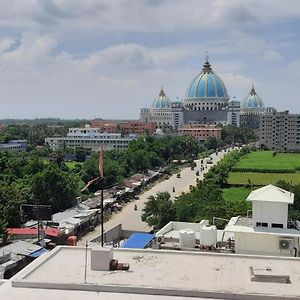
(265, 160)
(236, 194)
(262, 178)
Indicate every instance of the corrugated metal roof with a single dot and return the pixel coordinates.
(138, 240)
(33, 231)
(21, 248)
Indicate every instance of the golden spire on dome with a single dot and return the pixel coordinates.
(162, 92)
(206, 67)
(252, 92)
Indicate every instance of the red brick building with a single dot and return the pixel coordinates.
(200, 132)
(126, 127)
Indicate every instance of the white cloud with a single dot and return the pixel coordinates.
(52, 71)
(140, 15)
(113, 82)
(237, 85)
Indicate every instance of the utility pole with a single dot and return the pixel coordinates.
(102, 215)
(38, 217)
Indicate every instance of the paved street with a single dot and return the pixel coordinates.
(131, 219)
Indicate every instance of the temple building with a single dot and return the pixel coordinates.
(206, 102)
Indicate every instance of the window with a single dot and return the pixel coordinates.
(276, 225)
(261, 224)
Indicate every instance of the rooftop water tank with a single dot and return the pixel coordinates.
(187, 238)
(208, 235)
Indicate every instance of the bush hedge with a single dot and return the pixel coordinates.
(257, 170)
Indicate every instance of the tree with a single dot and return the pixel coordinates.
(80, 154)
(140, 161)
(54, 187)
(159, 210)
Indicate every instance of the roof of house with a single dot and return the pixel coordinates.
(33, 231)
(271, 193)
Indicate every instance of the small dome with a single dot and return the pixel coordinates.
(207, 85)
(162, 101)
(177, 103)
(252, 101)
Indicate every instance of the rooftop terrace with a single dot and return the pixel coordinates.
(169, 273)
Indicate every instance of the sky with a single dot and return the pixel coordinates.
(107, 59)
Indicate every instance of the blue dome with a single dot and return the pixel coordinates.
(207, 84)
(252, 101)
(177, 103)
(162, 101)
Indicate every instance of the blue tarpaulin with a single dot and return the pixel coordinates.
(38, 252)
(138, 240)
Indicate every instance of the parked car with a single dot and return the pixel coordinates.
(197, 173)
(178, 175)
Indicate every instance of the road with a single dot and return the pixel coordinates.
(131, 219)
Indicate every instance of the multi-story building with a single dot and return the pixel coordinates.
(14, 146)
(206, 102)
(124, 127)
(280, 131)
(200, 132)
(91, 138)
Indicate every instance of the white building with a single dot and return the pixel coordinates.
(268, 232)
(63, 274)
(91, 138)
(280, 131)
(14, 146)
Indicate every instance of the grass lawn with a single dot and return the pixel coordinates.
(262, 178)
(71, 164)
(236, 193)
(265, 160)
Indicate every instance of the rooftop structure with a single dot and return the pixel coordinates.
(268, 232)
(153, 274)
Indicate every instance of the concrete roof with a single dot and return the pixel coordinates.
(271, 193)
(235, 226)
(153, 272)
